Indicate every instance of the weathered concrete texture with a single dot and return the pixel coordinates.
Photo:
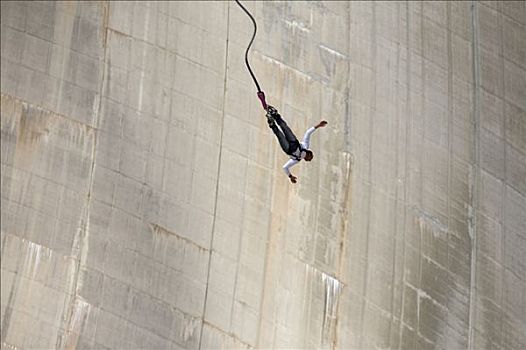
(143, 204)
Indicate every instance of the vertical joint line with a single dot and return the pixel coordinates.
(450, 112)
(505, 137)
(396, 178)
(406, 177)
(369, 174)
(218, 173)
(476, 173)
(81, 237)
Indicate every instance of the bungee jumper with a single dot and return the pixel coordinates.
(287, 140)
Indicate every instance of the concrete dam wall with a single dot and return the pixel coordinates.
(143, 204)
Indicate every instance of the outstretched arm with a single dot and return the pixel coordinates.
(308, 133)
(286, 169)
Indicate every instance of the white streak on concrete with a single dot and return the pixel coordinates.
(143, 59)
(332, 291)
(189, 328)
(285, 67)
(423, 295)
(426, 220)
(81, 312)
(295, 25)
(470, 222)
(9, 346)
(333, 52)
(332, 298)
(34, 255)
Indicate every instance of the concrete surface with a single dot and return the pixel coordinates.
(144, 205)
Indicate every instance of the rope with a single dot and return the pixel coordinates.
(261, 94)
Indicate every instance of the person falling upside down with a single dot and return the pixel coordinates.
(289, 143)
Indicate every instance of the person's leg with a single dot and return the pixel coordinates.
(285, 128)
(281, 138)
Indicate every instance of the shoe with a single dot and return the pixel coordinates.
(271, 110)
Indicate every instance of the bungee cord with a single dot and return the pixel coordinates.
(260, 93)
